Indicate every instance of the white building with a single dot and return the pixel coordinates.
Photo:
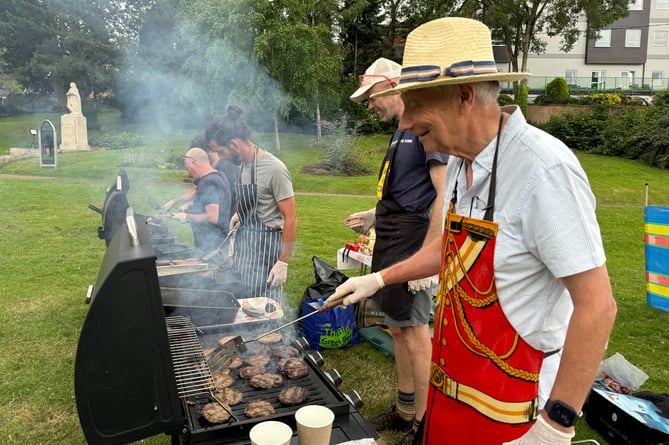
(631, 55)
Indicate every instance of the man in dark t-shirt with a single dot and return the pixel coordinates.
(210, 213)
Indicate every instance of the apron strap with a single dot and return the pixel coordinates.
(493, 180)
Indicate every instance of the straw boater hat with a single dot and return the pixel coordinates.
(449, 51)
(381, 70)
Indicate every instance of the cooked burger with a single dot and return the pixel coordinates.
(258, 408)
(222, 380)
(266, 380)
(274, 337)
(293, 395)
(249, 371)
(215, 413)
(229, 395)
(257, 360)
(295, 368)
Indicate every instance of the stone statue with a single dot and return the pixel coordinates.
(73, 99)
(73, 128)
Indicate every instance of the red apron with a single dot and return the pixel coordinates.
(484, 376)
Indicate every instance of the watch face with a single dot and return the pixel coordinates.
(562, 414)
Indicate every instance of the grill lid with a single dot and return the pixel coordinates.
(124, 383)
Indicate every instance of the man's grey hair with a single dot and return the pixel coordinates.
(486, 92)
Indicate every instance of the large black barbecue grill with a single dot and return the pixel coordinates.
(139, 373)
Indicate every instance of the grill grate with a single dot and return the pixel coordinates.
(191, 371)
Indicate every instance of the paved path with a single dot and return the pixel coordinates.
(97, 181)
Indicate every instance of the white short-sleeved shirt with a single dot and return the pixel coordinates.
(545, 211)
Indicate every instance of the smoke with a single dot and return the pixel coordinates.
(178, 76)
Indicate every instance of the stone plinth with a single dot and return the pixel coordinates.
(73, 132)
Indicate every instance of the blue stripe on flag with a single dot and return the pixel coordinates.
(657, 258)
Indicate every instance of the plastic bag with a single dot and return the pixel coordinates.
(618, 375)
(331, 329)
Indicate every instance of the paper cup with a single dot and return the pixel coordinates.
(270, 433)
(314, 425)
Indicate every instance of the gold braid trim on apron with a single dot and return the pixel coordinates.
(506, 412)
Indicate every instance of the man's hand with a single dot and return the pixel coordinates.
(234, 222)
(542, 433)
(422, 284)
(356, 289)
(167, 206)
(181, 217)
(186, 207)
(361, 222)
(277, 276)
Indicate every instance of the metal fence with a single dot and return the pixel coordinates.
(589, 85)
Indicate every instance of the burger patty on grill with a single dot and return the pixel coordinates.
(258, 408)
(274, 337)
(229, 395)
(249, 371)
(285, 352)
(215, 413)
(293, 395)
(222, 380)
(266, 380)
(295, 368)
(257, 360)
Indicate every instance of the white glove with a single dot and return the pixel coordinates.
(277, 276)
(234, 222)
(361, 222)
(422, 284)
(356, 289)
(542, 433)
(167, 206)
(181, 217)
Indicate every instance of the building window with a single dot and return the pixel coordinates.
(633, 38)
(603, 39)
(598, 80)
(657, 79)
(570, 77)
(626, 79)
(636, 5)
(662, 4)
(660, 38)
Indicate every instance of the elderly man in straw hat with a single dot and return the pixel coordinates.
(525, 303)
(411, 181)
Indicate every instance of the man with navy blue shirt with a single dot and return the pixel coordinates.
(409, 190)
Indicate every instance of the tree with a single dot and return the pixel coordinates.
(52, 43)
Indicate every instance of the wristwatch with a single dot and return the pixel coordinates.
(561, 413)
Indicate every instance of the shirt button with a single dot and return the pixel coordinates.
(442, 362)
(443, 342)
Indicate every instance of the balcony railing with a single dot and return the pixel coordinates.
(589, 85)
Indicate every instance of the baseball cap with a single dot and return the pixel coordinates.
(381, 70)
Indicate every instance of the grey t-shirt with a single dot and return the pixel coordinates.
(274, 185)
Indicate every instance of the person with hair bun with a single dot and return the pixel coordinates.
(265, 206)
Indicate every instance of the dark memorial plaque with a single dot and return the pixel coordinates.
(48, 141)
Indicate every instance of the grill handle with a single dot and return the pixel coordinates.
(132, 227)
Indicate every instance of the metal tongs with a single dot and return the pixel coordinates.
(223, 355)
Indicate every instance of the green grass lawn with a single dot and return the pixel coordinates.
(49, 254)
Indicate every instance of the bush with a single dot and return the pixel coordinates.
(520, 95)
(605, 99)
(557, 91)
(340, 155)
(116, 141)
(504, 99)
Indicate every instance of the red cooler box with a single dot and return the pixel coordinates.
(625, 420)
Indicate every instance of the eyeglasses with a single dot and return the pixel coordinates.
(362, 78)
(189, 157)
